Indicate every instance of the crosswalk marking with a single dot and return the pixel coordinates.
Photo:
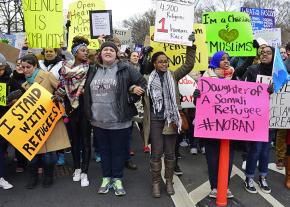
(184, 199)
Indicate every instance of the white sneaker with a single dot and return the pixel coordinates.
(183, 143)
(244, 165)
(193, 151)
(77, 175)
(4, 184)
(203, 150)
(84, 180)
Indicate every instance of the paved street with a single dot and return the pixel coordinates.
(190, 188)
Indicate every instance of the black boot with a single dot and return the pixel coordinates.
(33, 176)
(48, 176)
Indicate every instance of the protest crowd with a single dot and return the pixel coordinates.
(97, 96)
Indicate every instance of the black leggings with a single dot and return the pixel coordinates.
(79, 130)
(288, 150)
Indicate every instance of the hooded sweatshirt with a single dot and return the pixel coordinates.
(104, 105)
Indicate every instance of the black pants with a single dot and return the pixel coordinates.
(160, 143)
(288, 150)
(79, 130)
(212, 151)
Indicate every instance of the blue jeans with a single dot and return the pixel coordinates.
(2, 159)
(212, 152)
(48, 158)
(113, 146)
(259, 151)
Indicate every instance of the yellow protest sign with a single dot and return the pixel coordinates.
(30, 121)
(43, 23)
(176, 53)
(2, 94)
(80, 20)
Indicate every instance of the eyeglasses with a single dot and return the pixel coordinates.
(266, 53)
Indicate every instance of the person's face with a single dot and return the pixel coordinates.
(134, 58)
(2, 70)
(266, 55)
(283, 53)
(18, 67)
(225, 63)
(28, 69)
(82, 54)
(49, 54)
(108, 55)
(161, 63)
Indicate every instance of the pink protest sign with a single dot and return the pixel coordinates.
(232, 110)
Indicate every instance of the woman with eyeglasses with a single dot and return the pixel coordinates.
(259, 151)
(162, 121)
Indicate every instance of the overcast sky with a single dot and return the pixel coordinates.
(122, 9)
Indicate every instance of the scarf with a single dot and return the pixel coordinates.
(73, 80)
(30, 79)
(155, 91)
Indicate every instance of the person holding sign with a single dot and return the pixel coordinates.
(73, 76)
(162, 121)
(58, 139)
(7, 85)
(110, 112)
(259, 151)
(219, 68)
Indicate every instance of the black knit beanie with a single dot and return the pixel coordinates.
(109, 44)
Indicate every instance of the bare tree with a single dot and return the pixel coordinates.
(140, 25)
(12, 16)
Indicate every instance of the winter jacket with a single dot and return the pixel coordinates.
(126, 77)
(254, 70)
(177, 75)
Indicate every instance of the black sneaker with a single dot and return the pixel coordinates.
(264, 185)
(177, 170)
(249, 185)
(130, 165)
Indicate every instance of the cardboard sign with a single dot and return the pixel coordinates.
(233, 110)
(101, 23)
(2, 94)
(260, 18)
(80, 20)
(125, 36)
(186, 87)
(271, 36)
(176, 53)
(173, 22)
(230, 32)
(43, 23)
(30, 121)
(279, 105)
(9, 52)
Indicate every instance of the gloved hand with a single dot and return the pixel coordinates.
(147, 50)
(196, 93)
(255, 44)
(270, 89)
(192, 37)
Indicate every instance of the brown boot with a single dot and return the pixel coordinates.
(156, 177)
(169, 170)
(287, 169)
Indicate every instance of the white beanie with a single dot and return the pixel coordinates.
(2, 60)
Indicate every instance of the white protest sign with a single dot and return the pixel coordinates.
(173, 23)
(186, 87)
(271, 36)
(101, 23)
(279, 105)
(125, 36)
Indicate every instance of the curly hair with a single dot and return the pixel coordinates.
(77, 40)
